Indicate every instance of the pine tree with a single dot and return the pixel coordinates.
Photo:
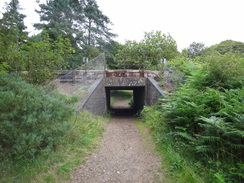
(12, 33)
(59, 18)
(97, 32)
(12, 25)
(79, 20)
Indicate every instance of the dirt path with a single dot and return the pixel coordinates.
(122, 158)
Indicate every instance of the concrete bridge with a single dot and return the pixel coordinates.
(145, 89)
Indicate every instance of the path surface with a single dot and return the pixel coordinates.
(122, 157)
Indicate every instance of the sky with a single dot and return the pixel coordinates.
(187, 21)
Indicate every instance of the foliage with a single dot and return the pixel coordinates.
(227, 46)
(12, 23)
(147, 53)
(113, 50)
(204, 117)
(176, 72)
(56, 166)
(81, 22)
(60, 18)
(195, 49)
(208, 123)
(183, 65)
(31, 120)
(165, 43)
(40, 59)
(95, 25)
(3, 67)
(220, 71)
(12, 32)
(131, 56)
(176, 167)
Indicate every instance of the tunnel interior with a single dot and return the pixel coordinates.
(138, 101)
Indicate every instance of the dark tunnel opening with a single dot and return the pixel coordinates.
(138, 98)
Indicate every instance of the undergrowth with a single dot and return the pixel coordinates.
(42, 138)
(175, 167)
(201, 125)
(57, 165)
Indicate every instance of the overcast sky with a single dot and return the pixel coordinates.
(207, 21)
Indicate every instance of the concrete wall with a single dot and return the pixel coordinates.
(153, 92)
(146, 92)
(95, 102)
(125, 81)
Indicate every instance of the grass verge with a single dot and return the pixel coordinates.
(175, 167)
(56, 166)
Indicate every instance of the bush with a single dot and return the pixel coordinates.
(31, 120)
(208, 125)
(204, 117)
(220, 72)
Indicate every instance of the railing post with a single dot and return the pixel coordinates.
(73, 76)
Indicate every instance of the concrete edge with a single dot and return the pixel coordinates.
(92, 88)
(160, 90)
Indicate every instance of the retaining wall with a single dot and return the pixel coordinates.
(153, 92)
(96, 101)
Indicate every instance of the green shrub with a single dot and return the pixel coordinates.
(220, 72)
(30, 120)
(209, 124)
(204, 117)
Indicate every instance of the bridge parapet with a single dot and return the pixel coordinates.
(132, 73)
(125, 81)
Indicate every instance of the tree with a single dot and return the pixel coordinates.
(59, 18)
(96, 31)
(165, 42)
(147, 53)
(130, 55)
(228, 46)
(41, 59)
(80, 21)
(12, 33)
(195, 49)
(12, 23)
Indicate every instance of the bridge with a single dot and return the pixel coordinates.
(142, 84)
(101, 82)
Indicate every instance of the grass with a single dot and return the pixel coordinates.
(112, 101)
(123, 94)
(57, 166)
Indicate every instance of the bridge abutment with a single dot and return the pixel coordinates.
(145, 92)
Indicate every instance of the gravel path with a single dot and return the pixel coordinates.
(122, 157)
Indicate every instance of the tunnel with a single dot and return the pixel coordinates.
(138, 98)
